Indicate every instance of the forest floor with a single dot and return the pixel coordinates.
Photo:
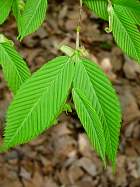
(62, 156)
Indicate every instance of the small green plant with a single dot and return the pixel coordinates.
(41, 97)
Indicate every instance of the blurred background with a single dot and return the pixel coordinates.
(62, 156)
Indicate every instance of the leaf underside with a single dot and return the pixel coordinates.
(38, 102)
(14, 67)
(98, 90)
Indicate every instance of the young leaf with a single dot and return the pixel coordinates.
(5, 7)
(98, 90)
(38, 102)
(14, 68)
(126, 34)
(90, 120)
(33, 16)
(98, 6)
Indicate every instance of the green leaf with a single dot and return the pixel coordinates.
(130, 15)
(98, 6)
(38, 102)
(91, 122)
(33, 16)
(129, 8)
(99, 92)
(125, 18)
(130, 4)
(5, 7)
(126, 34)
(14, 68)
(17, 13)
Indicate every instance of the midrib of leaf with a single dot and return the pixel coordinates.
(45, 91)
(12, 63)
(101, 109)
(128, 35)
(30, 21)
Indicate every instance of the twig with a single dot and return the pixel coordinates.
(78, 29)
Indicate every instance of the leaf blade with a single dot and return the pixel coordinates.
(14, 67)
(90, 121)
(98, 6)
(5, 6)
(38, 102)
(99, 92)
(131, 10)
(33, 16)
(17, 14)
(129, 37)
(129, 4)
